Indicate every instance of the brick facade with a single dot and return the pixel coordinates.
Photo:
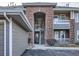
(48, 19)
(49, 30)
(72, 28)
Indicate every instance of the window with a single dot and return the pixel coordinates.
(56, 16)
(77, 17)
(57, 35)
(77, 34)
(62, 17)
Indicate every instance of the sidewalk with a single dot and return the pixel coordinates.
(42, 50)
(43, 47)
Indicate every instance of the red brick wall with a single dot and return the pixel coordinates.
(72, 33)
(48, 19)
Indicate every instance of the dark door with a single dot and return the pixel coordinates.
(39, 37)
(39, 26)
(42, 38)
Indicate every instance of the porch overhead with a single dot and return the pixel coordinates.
(18, 16)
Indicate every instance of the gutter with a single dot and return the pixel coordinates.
(10, 28)
(26, 21)
(5, 15)
(4, 11)
(10, 33)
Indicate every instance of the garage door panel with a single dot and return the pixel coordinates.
(1, 53)
(1, 39)
(1, 44)
(1, 49)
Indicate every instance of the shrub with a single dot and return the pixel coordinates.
(29, 40)
(51, 42)
(77, 43)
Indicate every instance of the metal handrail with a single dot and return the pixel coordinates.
(61, 21)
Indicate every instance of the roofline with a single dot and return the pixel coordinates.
(64, 8)
(21, 7)
(39, 4)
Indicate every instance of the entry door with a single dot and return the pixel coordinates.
(62, 36)
(57, 35)
(39, 38)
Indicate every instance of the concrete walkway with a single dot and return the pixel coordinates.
(43, 47)
(41, 50)
(38, 52)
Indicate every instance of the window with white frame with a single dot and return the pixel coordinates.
(62, 16)
(76, 17)
(77, 34)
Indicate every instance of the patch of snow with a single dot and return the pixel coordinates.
(43, 47)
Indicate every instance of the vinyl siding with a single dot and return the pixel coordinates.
(7, 38)
(1, 39)
(19, 40)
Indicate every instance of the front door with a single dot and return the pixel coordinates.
(39, 37)
(60, 36)
(39, 28)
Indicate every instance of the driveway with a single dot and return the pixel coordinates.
(50, 52)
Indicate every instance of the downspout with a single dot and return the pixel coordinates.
(10, 33)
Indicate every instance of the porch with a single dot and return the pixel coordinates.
(61, 36)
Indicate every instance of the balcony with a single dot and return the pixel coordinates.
(61, 24)
(60, 21)
(62, 40)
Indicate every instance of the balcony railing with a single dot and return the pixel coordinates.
(61, 21)
(62, 40)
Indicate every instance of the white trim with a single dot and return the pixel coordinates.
(40, 39)
(77, 17)
(72, 15)
(10, 33)
(5, 38)
(10, 37)
(27, 21)
(4, 22)
(59, 21)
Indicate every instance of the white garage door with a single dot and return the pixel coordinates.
(1, 39)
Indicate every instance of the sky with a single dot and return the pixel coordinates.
(72, 3)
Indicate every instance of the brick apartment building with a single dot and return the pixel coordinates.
(53, 22)
(35, 23)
